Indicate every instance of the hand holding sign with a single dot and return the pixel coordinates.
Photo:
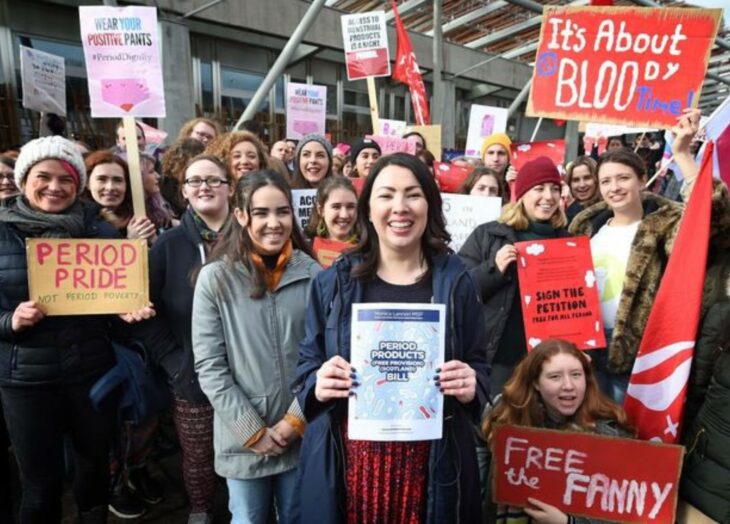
(505, 256)
(543, 513)
(458, 379)
(26, 315)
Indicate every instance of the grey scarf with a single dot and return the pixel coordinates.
(69, 224)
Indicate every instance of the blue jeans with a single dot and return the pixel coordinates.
(249, 500)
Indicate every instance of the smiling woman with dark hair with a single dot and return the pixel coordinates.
(402, 256)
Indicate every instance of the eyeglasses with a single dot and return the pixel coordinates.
(210, 182)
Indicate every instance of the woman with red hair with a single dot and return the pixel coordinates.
(553, 387)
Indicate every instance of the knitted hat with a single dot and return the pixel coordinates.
(535, 172)
(496, 138)
(363, 143)
(47, 148)
(313, 138)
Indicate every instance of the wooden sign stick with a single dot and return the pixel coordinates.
(373, 98)
(135, 173)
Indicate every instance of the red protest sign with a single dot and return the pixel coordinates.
(357, 184)
(559, 292)
(629, 65)
(579, 473)
(328, 251)
(365, 41)
(522, 153)
(450, 177)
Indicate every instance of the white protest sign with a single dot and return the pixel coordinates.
(465, 212)
(392, 127)
(121, 48)
(365, 40)
(483, 121)
(306, 110)
(304, 201)
(599, 130)
(43, 78)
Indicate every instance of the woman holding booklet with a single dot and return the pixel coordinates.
(402, 257)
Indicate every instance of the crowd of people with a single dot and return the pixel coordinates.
(250, 337)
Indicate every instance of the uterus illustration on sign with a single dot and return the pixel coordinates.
(125, 93)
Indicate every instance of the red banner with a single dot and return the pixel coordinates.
(579, 473)
(328, 251)
(522, 153)
(559, 292)
(450, 177)
(630, 65)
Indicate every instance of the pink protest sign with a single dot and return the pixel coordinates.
(121, 49)
(306, 109)
(393, 144)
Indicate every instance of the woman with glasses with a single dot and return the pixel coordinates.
(176, 256)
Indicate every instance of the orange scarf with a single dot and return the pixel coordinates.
(273, 276)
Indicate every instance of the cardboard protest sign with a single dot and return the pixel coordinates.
(432, 134)
(393, 144)
(522, 153)
(559, 292)
(632, 65)
(121, 49)
(450, 177)
(328, 251)
(464, 213)
(365, 39)
(306, 109)
(43, 79)
(304, 201)
(483, 121)
(88, 277)
(579, 474)
(392, 127)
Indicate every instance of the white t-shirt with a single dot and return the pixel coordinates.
(611, 248)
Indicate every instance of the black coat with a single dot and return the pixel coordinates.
(705, 479)
(496, 290)
(58, 349)
(174, 259)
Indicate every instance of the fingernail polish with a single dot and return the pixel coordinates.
(353, 370)
(437, 377)
(353, 375)
(441, 390)
(438, 384)
(351, 394)
(355, 383)
(438, 370)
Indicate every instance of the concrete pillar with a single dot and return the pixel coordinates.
(177, 74)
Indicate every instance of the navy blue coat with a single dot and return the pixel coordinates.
(59, 349)
(453, 485)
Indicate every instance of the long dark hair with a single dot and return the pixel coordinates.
(435, 238)
(236, 245)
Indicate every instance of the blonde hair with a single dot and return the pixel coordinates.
(515, 216)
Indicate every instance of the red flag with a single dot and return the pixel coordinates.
(601, 2)
(407, 72)
(658, 383)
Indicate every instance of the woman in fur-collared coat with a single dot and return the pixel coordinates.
(632, 235)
